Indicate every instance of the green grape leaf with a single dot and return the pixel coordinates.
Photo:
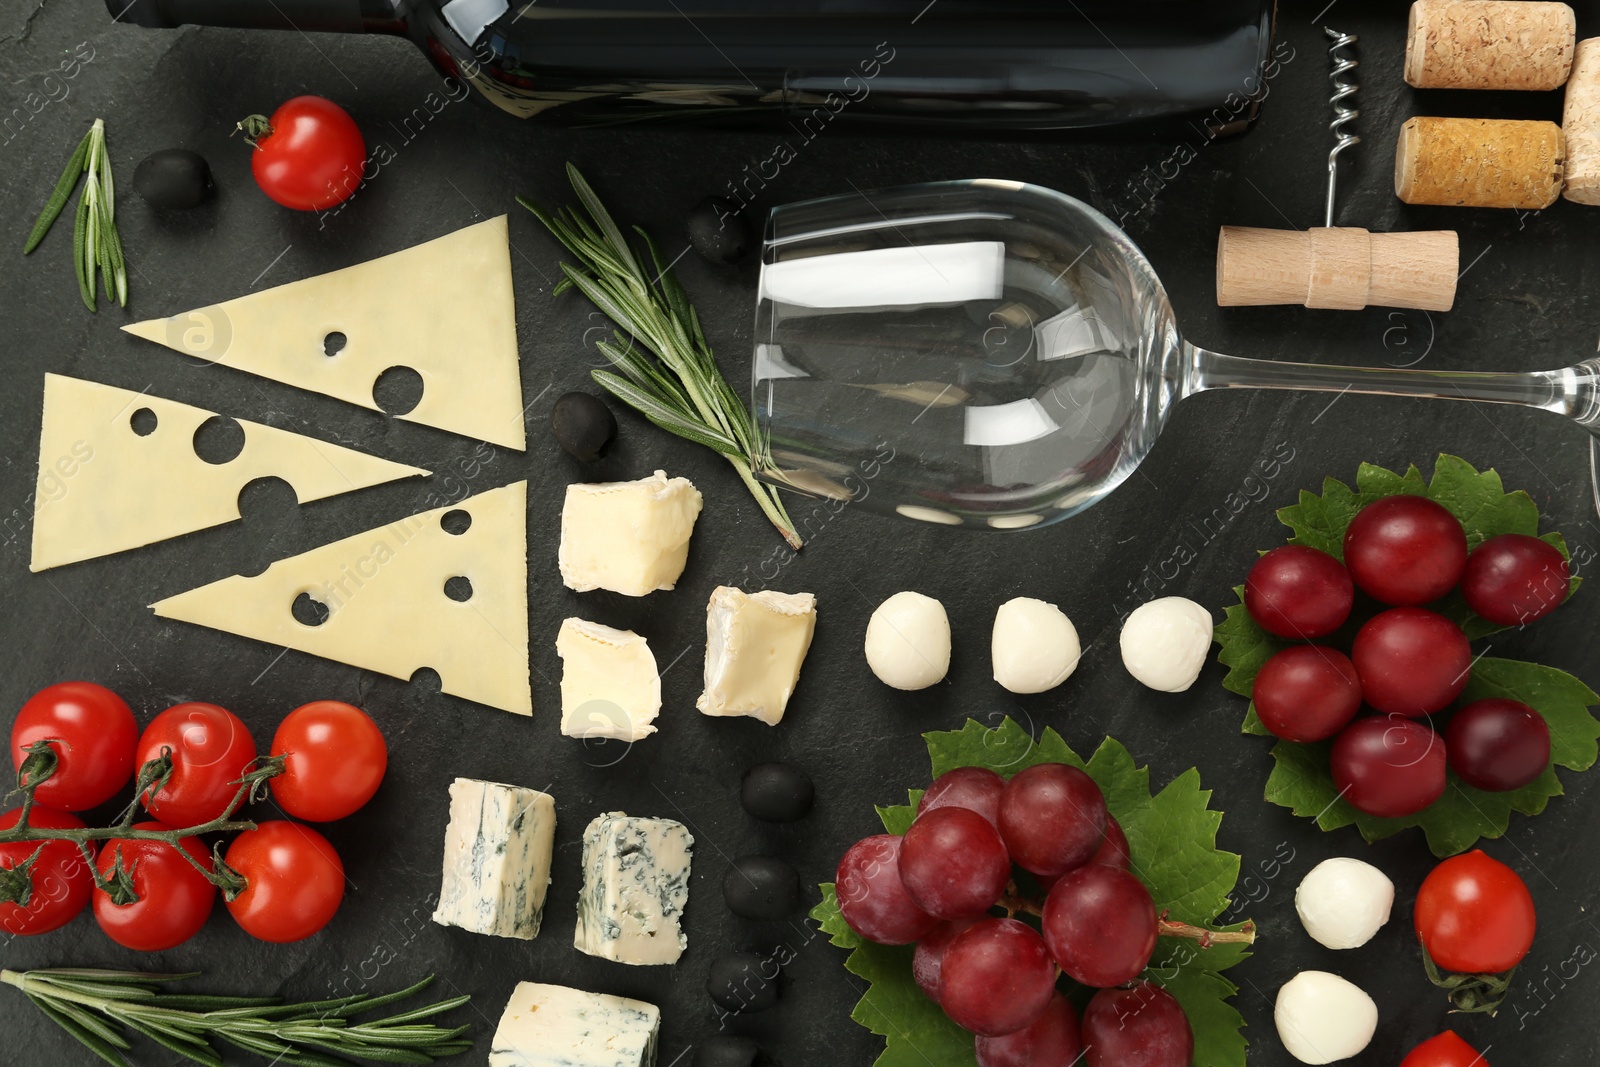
(1172, 843)
(1301, 779)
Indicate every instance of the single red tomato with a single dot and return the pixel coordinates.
(334, 760)
(1444, 1050)
(310, 155)
(174, 899)
(295, 877)
(59, 882)
(211, 749)
(92, 732)
(1475, 915)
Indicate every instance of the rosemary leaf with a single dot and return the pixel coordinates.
(79, 252)
(93, 1042)
(195, 1051)
(665, 417)
(96, 245)
(59, 195)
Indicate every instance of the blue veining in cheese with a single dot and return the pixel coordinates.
(635, 885)
(553, 1026)
(497, 854)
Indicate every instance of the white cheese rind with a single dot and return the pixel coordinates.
(444, 308)
(609, 683)
(635, 886)
(554, 1026)
(387, 608)
(755, 645)
(104, 488)
(497, 852)
(628, 537)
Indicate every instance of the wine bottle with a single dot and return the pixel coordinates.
(990, 67)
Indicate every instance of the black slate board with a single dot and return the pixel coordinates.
(1524, 304)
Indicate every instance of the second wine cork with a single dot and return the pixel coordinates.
(1504, 163)
(1489, 44)
(1580, 122)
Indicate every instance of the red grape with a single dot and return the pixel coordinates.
(953, 863)
(975, 788)
(1113, 851)
(1411, 661)
(1307, 693)
(997, 977)
(1497, 744)
(927, 962)
(871, 897)
(1140, 1026)
(1051, 1040)
(1389, 766)
(1100, 924)
(1513, 579)
(1405, 550)
(1299, 592)
(1052, 817)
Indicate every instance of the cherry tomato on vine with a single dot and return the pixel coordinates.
(92, 733)
(59, 882)
(335, 759)
(309, 155)
(1474, 915)
(211, 748)
(296, 881)
(174, 899)
(1444, 1050)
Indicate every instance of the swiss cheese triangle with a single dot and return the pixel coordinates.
(109, 482)
(444, 308)
(387, 609)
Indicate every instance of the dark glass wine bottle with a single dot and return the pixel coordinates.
(987, 67)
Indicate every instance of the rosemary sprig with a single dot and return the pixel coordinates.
(680, 390)
(95, 1006)
(96, 246)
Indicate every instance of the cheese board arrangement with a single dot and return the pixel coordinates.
(524, 574)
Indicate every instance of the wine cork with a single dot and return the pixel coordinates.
(1580, 122)
(1478, 163)
(1489, 44)
(1337, 267)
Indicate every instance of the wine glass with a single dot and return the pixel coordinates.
(998, 355)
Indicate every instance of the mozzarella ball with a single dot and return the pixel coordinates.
(1343, 902)
(1164, 643)
(908, 641)
(1322, 1018)
(1035, 646)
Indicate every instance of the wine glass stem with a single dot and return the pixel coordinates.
(1572, 391)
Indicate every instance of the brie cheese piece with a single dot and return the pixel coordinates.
(609, 683)
(629, 537)
(635, 885)
(497, 853)
(755, 644)
(553, 1026)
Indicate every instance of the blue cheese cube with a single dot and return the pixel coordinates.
(497, 854)
(553, 1026)
(635, 884)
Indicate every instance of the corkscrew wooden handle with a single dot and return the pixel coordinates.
(1341, 267)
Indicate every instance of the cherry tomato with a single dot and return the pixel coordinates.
(59, 882)
(174, 899)
(1405, 550)
(312, 157)
(1513, 579)
(211, 748)
(296, 881)
(335, 759)
(1474, 915)
(1298, 592)
(1444, 1050)
(1411, 661)
(92, 733)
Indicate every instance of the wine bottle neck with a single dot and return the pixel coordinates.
(336, 16)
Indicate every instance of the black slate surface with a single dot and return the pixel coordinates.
(1524, 304)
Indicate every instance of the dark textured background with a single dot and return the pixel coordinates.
(1524, 304)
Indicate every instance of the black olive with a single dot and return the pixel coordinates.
(777, 792)
(726, 1050)
(718, 231)
(743, 982)
(761, 887)
(583, 425)
(173, 178)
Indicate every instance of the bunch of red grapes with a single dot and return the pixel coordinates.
(1406, 663)
(996, 976)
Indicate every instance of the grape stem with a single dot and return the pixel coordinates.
(1013, 902)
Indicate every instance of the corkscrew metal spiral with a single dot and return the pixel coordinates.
(1343, 88)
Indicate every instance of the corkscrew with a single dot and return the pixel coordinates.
(1340, 51)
